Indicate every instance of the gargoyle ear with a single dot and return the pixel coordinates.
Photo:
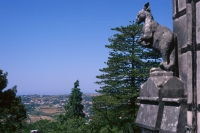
(147, 7)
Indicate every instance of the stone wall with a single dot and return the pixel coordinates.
(179, 24)
(186, 24)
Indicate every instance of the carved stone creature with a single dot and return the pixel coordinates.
(159, 38)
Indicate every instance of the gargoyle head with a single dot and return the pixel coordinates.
(143, 13)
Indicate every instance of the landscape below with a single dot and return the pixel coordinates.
(49, 106)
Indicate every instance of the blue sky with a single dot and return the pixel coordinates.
(46, 45)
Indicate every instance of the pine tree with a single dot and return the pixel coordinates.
(12, 111)
(74, 108)
(127, 68)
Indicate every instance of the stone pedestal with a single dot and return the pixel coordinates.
(162, 104)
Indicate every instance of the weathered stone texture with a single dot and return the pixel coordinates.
(183, 70)
(189, 23)
(198, 22)
(182, 43)
(181, 4)
(162, 86)
(169, 121)
(174, 6)
(198, 120)
(173, 120)
(198, 77)
(189, 118)
(147, 116)
(189, 77)
(176, 31)
(182, 34)
(149, 89)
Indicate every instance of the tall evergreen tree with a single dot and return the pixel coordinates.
(12, 111)
(127, 68)
(74, 108)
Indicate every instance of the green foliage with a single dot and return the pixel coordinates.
(127, 68)
(108, 129)
(74, 108)
(43, 126)
(76, 125)
(12, 112)
(73, 121)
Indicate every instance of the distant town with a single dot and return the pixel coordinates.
(49, 106)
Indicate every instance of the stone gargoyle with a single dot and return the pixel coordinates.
(159, 38)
